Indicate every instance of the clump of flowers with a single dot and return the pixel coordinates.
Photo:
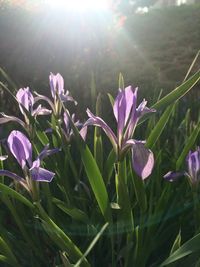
(127, 116)
(21, 148)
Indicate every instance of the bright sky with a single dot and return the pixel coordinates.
(80, 5)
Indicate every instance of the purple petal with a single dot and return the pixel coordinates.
(131, 100)
(20, 147)
(119, 109)
(45, 98)
(47, 152)
(66, 97)
(66, 121)
(193, 161)
(56, 84)
(41, 111)
(142, 159)
(173, 176)
(3, 157)
(7, 118)
(93, 120)
(41, 175)
(143, 109)
(11, 175)
(83, 132)
(25, 98)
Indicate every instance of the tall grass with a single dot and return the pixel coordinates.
(97, 211)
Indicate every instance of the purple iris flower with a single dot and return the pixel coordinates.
(57, 88)
(26, 101)
(21, 149)
(67, 130)
(59, 94)
(193, 164)
(127, 116)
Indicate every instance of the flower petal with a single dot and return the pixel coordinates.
(193, 161)
(41, 111)
(20, 147)
(143, 109)
(142, 160)
(47, 152)
(7, 118)
(173, 176)
(97, 121)
(56, 84)
(25, 98)
(41, 175)
(11, 175)
(83, 132)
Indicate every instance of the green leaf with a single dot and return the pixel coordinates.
(91, 245)
(177, 243)
(93, 90)
(98, 146)
(74, 213)
(96, 181)
(8, 79)
(139, 189)
(109, 166)
(190, 142)
(121, 81)
(42, 137)
(4, 189)
(93, 173)
(7, 256)
(191, 246)
(112, 101)
(177, 93)
(59, 237)
(159, 127)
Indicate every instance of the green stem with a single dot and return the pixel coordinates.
(196, 209)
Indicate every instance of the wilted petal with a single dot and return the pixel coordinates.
(97, 121)
(7, 118)
(41, 175)
(41, 111)
(20, 147)
(142, 159)
(25, 98)
(173, 176)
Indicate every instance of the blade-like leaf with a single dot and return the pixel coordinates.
(7, 252)
(159, 127)
(4, 189)
(121, 81)
(177, 93)
(91, 245)
(74, 213)
(190, 142)
(59, 237)
(191, 246)
(93, 173)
